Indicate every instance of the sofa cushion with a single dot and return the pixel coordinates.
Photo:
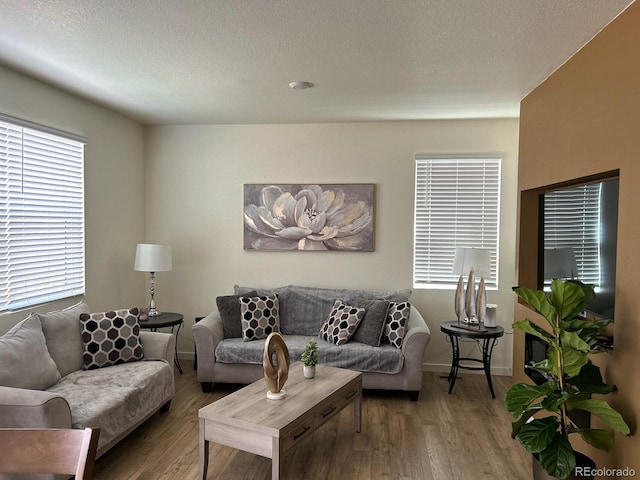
(303, 310)
(260, 316)
(63, 333)
(342, 323)
(372, 325)
(229, 308)
(115, 398)
(24, 359)
(110, 338)
(352, 356)
(395, 326)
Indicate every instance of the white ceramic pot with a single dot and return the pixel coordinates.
(309, 372)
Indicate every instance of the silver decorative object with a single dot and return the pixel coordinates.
(481, 301)
(470, 301)
(459, 302)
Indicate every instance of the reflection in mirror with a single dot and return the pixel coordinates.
(580, 230)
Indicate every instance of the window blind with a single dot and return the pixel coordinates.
(41, 217)
(457, 204)
(572, 220)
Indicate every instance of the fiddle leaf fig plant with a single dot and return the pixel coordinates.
(571, 380)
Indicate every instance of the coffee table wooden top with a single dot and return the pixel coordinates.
(251, 408)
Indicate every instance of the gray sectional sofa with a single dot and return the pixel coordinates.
(45, 383)
(389, 358)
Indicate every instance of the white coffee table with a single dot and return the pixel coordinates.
(248, 421)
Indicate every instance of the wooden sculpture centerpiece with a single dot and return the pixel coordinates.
(275, 374)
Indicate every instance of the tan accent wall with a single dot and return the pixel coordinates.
(582, 121)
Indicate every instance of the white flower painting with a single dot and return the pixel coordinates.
(308, 217)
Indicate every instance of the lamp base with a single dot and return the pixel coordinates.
(154, 313)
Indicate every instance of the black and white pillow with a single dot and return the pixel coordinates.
(260, 316)
(395, 326)
(342, 323)
(110, 338)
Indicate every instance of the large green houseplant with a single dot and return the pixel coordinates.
(572, 379)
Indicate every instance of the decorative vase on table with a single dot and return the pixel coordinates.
(309, 371)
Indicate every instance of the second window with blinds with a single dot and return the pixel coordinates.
(457, 204)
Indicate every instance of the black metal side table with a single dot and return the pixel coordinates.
(486, 337)
(165, 320)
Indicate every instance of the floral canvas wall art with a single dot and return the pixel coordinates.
(308, 217)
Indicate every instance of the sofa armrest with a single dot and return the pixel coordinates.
(22, 408)
(416, 338)
(207, 333)
(158, 346)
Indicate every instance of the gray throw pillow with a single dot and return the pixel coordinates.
(24, 359)
(370, 329)
(229, 308)
(63, 333)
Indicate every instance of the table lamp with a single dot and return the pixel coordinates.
(152, 258)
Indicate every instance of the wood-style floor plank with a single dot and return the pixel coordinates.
(465, 435)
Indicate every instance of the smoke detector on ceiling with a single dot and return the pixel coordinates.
(301, 85)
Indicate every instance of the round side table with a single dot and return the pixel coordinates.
(165, 320)
(486, 337)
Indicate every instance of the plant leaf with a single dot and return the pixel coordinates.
(558, 459)
(536, 435)
(573, 340)
(524, 418)
(528, 326)
(603, 410)
(520, 396)
(573, 361)
(570, 298)
(552, 402)
(539, 301)
(589, 380)
(602, 439)
(581, 324)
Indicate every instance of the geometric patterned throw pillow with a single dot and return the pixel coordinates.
(260, 316)
(394, 328)
(342, 323)
(110, 338)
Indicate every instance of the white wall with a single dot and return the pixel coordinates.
(114, 193)
(195, 177)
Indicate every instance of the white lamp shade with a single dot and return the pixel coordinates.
(560, 263)
(478, 258)
(152, 257)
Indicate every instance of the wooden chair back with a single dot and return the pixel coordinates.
(49, 450)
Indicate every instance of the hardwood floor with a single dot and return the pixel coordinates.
(465, 435)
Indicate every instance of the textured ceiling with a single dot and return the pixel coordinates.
(230, 61)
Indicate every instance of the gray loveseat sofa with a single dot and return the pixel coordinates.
(45, 383)
(392, 362)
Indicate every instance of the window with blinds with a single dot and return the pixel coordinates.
(41, 216)
(572, 222)
(457, 204)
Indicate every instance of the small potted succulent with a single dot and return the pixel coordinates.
(310, 359)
